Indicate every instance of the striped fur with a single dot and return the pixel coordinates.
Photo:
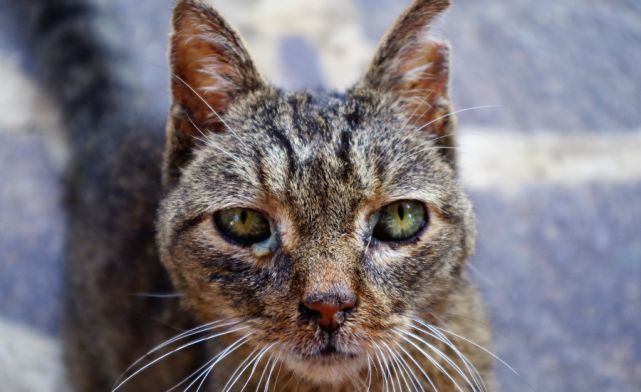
(318, 163)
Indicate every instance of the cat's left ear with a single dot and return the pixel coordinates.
(210, 70)
(413, 67)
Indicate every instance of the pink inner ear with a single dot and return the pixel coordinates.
(423, 73)
(201, 78)
(210, 67)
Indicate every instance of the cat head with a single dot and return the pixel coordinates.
(315, 222)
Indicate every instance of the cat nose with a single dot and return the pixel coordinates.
(329, 314)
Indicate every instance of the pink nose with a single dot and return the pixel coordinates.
(332, 314)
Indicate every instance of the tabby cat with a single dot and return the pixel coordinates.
(313, 240)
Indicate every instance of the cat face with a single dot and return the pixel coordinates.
(314, 223)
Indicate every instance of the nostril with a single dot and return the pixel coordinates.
(309, 313)
(329, 315)
(347, 311)
(347, 307)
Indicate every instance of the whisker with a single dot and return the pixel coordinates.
(210, 108)
(423, 101)
(446, 358)
(212, 144)
(429, 358)
(449, 148)
(378, 359)
(151, 295)
(351, 378)
(476, 376)
(291, 377)
(260, 381)
(468, 365)
(269, 376)
(228, 386)
(192, 374)
(410, 373)
(191, 332)
(420, 368)
(219, 357)
(279, 368)
(208, 140)
(441, 137)
(256, 361)
(173, 351)
(484, 349)
(369, 372)
(393, 356)
(388, 369)
(432, 312)
(448, 115)
(195, 331)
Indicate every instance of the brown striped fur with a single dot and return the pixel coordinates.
(319, 164)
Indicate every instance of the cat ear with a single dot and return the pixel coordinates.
(210, 70)
(414, 67)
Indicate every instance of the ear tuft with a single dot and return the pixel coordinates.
(413, 67)
(210, 70)
(210, 65)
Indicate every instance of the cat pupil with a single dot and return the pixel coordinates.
(401, 212)
(243, 216)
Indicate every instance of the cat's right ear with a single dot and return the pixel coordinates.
(210, 69)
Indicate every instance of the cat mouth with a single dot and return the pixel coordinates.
(330, 351)
(328, 364)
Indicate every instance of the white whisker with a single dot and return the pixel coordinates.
(260, 381)
(191, 332)
(217, 359)
(476, 376)
(369, 372)
(279, 368)
(212, 144)
(445, 116)
(228, 386)
(210, 108)
(269, 376)
(388, 369)
(378, 359)
(410, 373)
(173, 351)
(429, 358)
(256, 361)
(447, 359)
(482, 348)
(419, 367)
(151, 295)
(399, 371)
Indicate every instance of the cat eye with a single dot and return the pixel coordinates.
(400, 221)
(244, 226)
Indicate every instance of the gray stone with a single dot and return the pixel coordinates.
(560, 269)
(569, 65)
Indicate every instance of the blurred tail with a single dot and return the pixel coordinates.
(76, 65)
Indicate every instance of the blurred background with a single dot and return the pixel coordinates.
(551, 157)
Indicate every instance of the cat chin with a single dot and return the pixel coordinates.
(322, 369)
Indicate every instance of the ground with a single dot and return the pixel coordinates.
(554, 169)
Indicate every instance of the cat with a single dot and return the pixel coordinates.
(315, 240)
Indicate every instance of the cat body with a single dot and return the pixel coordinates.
(353, 273)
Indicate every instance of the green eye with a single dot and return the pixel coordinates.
(244, 226)
(400, 221)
